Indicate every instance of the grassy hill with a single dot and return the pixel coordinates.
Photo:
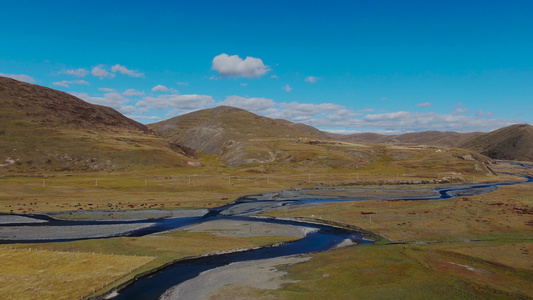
(241, 139)
(45, 130)
(514, 142)
(213, 130)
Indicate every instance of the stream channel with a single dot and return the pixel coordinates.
(320, 238)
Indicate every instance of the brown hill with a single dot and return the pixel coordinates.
(433, 138)
(45, 129)
(514, 142)
(213, 130)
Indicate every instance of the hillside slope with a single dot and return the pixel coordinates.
(213, 130)
(514, 142)
(42, 129)
(433, 138)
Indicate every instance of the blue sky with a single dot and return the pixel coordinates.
(341, 66)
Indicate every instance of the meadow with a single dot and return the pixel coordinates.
(424, 232)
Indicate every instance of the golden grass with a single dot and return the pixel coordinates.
(38, 274)
(503, 214)
(165, 248)
(145, 184)
(473, 247)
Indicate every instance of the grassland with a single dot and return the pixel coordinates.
(214, 184)
(474, 247)
(70, 270)
(396, 272)
(37, 273)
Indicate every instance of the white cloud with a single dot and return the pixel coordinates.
(426, 121)
(182, 83)
(20, 77)
(301, 112)
(123, 70)
(101, 73)
(460, 111)
(107, 90)
(244, 84)
(177, 101)
(274, 76)
(481, 113)
(256, 105)
(127, 109)
(425, 104)
(234, 66)
(113, 100)
(287, 88)
(366, 110)
(66, 83)
(78, 72)
(311, 79)
(144, 117)
(132, 92)
(160, 88)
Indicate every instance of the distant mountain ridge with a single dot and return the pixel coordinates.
(42, 129)
(514, 142)
(436, 138)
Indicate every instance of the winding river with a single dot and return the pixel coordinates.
(320, 238)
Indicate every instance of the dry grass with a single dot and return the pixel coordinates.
(477, 247)
(213, 184)
(504, 214)
(164, 248)
(37, 274)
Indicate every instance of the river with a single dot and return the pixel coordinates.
(321, 238)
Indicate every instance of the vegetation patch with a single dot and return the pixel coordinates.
(36, 273)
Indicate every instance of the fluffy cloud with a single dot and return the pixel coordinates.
(78, 72)
(101, 73)
(481, 113)
(425, 104)
(234, 66)
(132, 92)
(21, 77)
(301, 112)
(113, 100)
(66, 83)
(107, 90)
(127, 109)
(427, 121)
(311, 79)
(256, 105)
(460, 111)
(287, 88)
(160, 88)
(123, 70)
(182, 102)
(152, 118)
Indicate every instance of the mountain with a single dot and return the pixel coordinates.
(42, 129)
(213, 130)
(434, 138)
(514, 142)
